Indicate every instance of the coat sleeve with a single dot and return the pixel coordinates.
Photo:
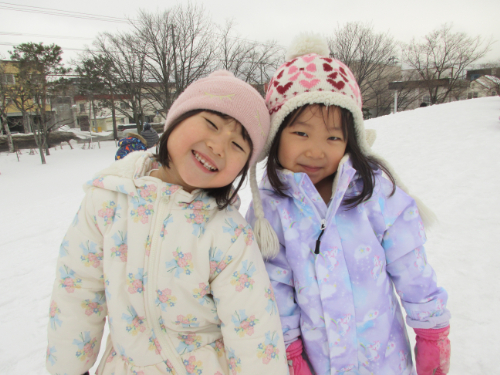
(281, 276)
(78, 304)
(245, 303)
(413, 277)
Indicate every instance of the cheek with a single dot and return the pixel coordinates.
(286, 153)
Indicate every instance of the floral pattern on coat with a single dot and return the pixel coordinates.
(163, 291)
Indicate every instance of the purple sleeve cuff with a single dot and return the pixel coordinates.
(434, 322)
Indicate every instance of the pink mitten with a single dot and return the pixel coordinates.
(296, 364)
(432, 351)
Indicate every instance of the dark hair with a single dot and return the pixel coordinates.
(365, 165)
(222, 195)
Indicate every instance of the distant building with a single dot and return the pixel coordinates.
(21, 108)
(483, 86)
(474, 74)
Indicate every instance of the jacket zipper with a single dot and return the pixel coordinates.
(167, 346)
(318, 241)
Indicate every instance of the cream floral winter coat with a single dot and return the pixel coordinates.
(182, 283)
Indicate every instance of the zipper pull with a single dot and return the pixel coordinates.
(318, 241)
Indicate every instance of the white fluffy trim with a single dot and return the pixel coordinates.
(307, 43)
(132, 166)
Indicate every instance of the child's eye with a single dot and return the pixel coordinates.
(237, 145)
(211, 123)
(334, 139)
(301, 134)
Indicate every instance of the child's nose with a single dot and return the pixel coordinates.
(216, 146)
(315, 153)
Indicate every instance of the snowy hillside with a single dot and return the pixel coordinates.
(448, 155)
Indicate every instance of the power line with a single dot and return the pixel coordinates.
(61, 13)
(63, 48)
(96, 17)
(45, 36)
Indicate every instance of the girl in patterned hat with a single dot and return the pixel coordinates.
(160, 249)
(346, 235)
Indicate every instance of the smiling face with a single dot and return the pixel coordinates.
(314, 144)
(206, 151)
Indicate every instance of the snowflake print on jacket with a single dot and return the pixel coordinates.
(268, 349)
(181, 263)
(243, 279)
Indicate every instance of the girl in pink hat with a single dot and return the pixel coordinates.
(345, 240)
(159, 248)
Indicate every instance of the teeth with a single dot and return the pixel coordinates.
(206, 164)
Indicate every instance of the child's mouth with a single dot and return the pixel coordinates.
(204, 163)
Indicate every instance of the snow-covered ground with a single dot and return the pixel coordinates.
(448, 155)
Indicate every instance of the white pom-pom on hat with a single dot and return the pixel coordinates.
(307, 43)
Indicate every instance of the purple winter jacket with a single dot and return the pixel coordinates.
(341, 300)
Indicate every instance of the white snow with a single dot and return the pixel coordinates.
(448, 155)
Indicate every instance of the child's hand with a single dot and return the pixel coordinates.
(432, 351)
(296, 364)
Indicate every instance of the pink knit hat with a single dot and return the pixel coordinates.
(221, 91)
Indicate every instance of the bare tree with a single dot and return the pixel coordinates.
(180, 49)
(369, 55)
(127, 64)
(444, 56)
(251, 61)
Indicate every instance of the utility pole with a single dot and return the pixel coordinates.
(395, 101)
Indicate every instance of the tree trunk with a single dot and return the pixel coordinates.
(37, 132)
(3, 120)
(113, 114)
(90, 119)
(26, 123)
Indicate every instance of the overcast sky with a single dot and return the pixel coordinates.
(259, 20)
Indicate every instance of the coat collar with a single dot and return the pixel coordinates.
(302, 190)
(130, 176)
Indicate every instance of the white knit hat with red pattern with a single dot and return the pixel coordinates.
(310, 76)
